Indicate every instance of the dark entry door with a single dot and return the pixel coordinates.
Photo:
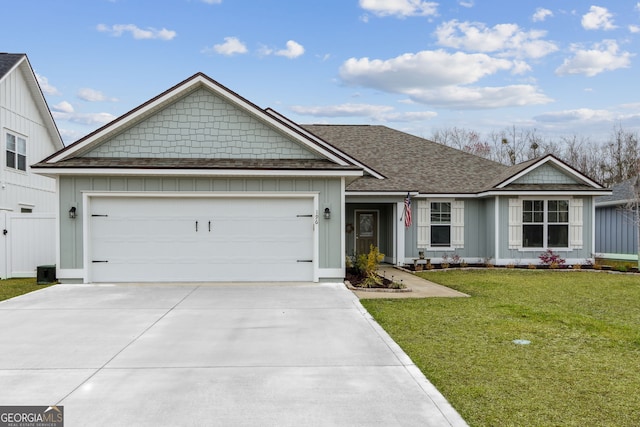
(366, 231)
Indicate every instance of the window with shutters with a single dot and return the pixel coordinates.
(441, 224)
(545, 223)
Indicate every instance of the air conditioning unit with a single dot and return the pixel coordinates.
(46, 274)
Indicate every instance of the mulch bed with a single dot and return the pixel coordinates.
(357, 280)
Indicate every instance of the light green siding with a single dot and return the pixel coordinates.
(72, 188)
(385, 226)
(546, 174)
(489, 213)
(475, 234)
(202, 125)
(517, 256)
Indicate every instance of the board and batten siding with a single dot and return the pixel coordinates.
(72, 188)
(473, 227)
(19, 114)
(385, 227)
(615, 231)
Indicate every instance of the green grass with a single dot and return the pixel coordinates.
(582, 367)
(13, 287)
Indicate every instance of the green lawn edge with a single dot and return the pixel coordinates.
(11, 288)
(581, 367)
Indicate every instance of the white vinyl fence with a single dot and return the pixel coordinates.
(28, 240)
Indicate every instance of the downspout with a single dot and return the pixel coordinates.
(497, 229)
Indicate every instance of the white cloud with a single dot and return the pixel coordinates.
(520, 67)
(468, 4)
(231, 46)
(293, 50)
(580, 114)
(63, 107)
(343, 110)
(92, 95)
(91, 119)
(47, 88)
(426, 68)
(634, 29)
(137, 33)
(383, 113)
(598, 18)
(541, 14)
(212, 1)
(638, 6)
(507, 39)
(464, 97)
(411, 116)
(604, 56)
(400, 8)
(69, 135)
(441, 78)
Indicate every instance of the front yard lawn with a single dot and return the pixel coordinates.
(582, 366)
(13, 287)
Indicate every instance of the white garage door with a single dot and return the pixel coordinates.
(200, 239)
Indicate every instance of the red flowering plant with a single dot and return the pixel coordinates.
(551, 259)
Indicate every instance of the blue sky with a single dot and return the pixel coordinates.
(561, 67)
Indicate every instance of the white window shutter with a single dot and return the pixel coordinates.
(575, 223)
(457, 224)
(424, 223)
(515, 223)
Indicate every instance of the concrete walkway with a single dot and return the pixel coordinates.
(420, 288)
(263, 354)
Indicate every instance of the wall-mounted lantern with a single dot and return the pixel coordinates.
(327, 213)
(72, 212)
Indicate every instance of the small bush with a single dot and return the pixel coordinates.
(550, 258)
(367, 265)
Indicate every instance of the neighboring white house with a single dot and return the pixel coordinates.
(29, 134)
(27, 201)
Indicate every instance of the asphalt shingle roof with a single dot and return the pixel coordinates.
(7, 61)
(410, 163)
(195, 163)
(621, 192)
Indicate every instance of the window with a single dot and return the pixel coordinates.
(16, 152)
(545, 223)
(441, 224)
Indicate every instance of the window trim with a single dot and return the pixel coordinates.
(15, 153)
(440, 224)
(545, 223)
(423, 224)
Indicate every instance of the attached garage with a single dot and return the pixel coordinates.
(145, 238)
(200, 185)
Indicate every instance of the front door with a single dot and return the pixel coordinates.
(366, 231)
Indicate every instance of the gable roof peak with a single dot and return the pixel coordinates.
(184, 88)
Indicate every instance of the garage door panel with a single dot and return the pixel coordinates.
(201, 239)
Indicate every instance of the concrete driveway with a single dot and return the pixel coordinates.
(230, 355)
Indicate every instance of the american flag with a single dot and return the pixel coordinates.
(407, 211)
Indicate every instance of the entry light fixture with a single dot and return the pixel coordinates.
(72, 212)
(327, 213)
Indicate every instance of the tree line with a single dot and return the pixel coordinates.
(607, 162)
